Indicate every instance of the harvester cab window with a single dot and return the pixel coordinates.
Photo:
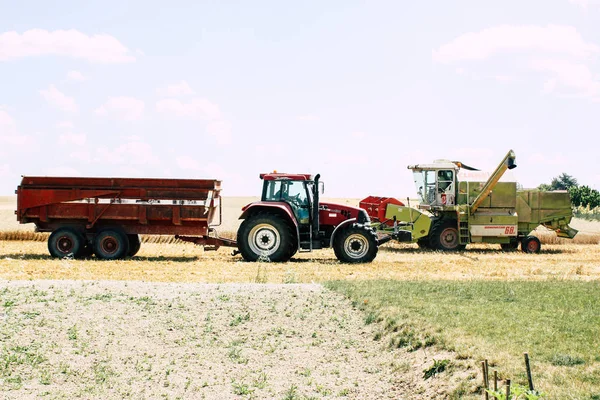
(445, 187)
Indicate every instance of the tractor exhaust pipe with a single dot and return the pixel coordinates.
(315, 210)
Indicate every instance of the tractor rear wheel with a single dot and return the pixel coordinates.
(65, 242)
(135, 243)
(111, 244)
(444, 236)
(355, 244)
(531, 244)
(267, 236)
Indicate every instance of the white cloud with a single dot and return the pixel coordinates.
(221, 130)
(131, 153)
(196, 108)
(7, 123)
(5, 171)
(188, 163)
(65, 125)
(568, 78)
(581, 3)
(488, 42)
(9, 134)
(556, 53)
(308, 118)
(100, 48)
(122, 107)
(176, 89)
(72, 139)
(62, 171)
(58, 99)
(76, 76)
(547, 159)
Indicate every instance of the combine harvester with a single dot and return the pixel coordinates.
(453, 213)
(105, 216)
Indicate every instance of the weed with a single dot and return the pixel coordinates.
(241, 389)
(291, 393)
(240, 318)
(566, 360)
(438, 367)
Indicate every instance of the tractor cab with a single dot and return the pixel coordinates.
(436, 183)
(297, 190)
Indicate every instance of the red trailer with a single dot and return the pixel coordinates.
(106, 215)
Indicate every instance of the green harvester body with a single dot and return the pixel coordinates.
(453, 213)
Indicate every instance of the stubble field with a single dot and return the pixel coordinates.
(178, 322)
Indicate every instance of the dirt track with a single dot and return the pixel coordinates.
(148, 340)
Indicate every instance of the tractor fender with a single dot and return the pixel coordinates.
(280, 208)
(338, 229)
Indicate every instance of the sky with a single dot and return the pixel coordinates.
(353, 90)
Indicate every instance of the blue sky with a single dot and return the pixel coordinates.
(354, 90)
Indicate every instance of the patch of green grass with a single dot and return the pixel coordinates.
(496, 319)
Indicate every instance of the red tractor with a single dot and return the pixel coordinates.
(289, 218)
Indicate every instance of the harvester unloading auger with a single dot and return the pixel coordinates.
(452, 213)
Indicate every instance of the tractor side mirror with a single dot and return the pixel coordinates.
(321, 187)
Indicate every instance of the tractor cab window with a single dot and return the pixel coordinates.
(293, 193)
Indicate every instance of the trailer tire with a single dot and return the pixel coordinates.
(355, 244)
(111, 244)
(531, 244)
(135, 242)
(65, 242)
(268, 236)
(444, 236)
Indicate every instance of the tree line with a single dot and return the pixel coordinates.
(581, 195)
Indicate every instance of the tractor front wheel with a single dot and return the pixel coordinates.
(355, 244)
(444, 236)
(267, 236)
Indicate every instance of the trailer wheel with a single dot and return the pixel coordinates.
(65, 242)
(111, 245)
(135, 243)
(355, 244)
(266, 235)
(444, 236)
(531, 244)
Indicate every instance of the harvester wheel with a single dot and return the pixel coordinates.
(135, 243)
(355, 244)
(111, 244)
(444, 236)
(512, 246)
(531, 244)
(423, 244)
(65, 242)
(268, 236)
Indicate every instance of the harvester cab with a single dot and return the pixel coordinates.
(291, 218)
(435, 183)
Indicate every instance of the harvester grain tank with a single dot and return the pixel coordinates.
(105, 216)
(453, 212)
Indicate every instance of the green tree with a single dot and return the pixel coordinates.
(563, 182)
(584, 196)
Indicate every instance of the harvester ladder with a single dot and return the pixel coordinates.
(463, 227)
